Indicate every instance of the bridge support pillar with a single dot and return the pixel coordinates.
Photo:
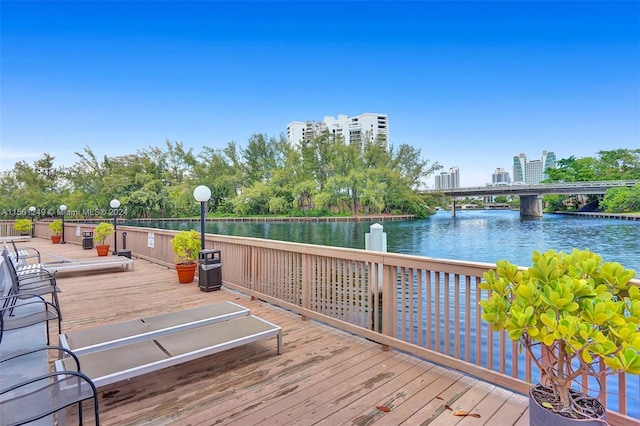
(531, 205)
(453, 207)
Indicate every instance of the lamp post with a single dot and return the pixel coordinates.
(32, 210)
(202, 194)
(63, 209)
(115, 203)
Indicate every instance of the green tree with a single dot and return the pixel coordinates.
(220, 173)
(318, 157)
(254, 200)
(262, 157)
(616, 164)
(413, 170)
(619, 164)
(622, 200)
(554, 203)
(42, 185)
(573, 170)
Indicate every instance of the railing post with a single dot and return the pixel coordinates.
(390, 313)
(253, 259)
(305, 286)
(376, 240)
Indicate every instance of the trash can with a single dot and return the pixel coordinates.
(87, 240)
(209, 270)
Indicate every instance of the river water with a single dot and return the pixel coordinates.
(479, 235)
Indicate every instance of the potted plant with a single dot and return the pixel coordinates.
(56, 228)
(100, 233)
(186, 245)
(23, 226)
(571, 313)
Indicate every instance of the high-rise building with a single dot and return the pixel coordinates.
(448, 180)
(352, 129)
(500, 176)
(533, 171)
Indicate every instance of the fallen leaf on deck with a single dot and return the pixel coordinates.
(383, 408)
(461, 413)
(448, 408)
(440, 398)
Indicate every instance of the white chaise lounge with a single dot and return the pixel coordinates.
(116, 352)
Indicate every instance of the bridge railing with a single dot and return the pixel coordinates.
(424, 306)
(545, 187)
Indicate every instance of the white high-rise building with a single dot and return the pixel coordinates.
(500, 176)
(533, 171)
(448, 180)
(352, 129)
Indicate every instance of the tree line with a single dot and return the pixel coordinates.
(619, 164)
(321, 176)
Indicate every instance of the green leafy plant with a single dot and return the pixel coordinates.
(23, 225)
(102, 231)
(186, 245)
(56, 226)
(577, 309)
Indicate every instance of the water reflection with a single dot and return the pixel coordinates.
(480, 236)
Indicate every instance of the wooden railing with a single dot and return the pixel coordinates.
(426, 307)
(7, 229)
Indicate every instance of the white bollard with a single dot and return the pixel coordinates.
(375, 240)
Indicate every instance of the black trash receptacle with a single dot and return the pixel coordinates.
(87, 240)
(209, 270)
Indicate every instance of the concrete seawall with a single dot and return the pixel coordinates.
(602, 215)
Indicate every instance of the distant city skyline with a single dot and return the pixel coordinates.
(468, 83)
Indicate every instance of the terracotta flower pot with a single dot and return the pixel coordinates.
(186, 273)
(55, 239)
(103, 250)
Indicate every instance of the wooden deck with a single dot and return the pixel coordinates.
(324, 376)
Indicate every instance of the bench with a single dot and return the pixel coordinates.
(116, 352)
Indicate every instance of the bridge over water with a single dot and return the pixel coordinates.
(531, 195)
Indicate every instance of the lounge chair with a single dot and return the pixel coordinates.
(31, 310)
(46, 394)
(70, 265)
(33, 282)
(24, 253)
(121, 351)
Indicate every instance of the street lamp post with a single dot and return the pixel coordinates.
(32, 210)
(63, 209)
(202, 194)
(115, 203)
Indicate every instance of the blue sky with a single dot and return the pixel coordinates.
(469, 83)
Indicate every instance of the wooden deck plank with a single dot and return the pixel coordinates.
(318, 409)
(289, 374)
(511, 411)
(376, 404)
(435, 399)
(465, 402)
(278, 398)
(340, 390)
(324, 375)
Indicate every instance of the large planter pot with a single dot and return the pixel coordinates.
(541, 416)
(55, 239)
(103, 250)
(186, 273)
